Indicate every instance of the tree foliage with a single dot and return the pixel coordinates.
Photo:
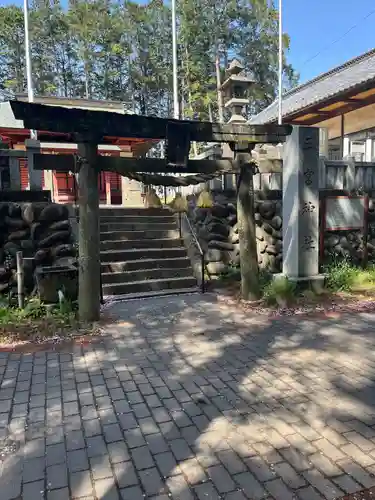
(106, 49)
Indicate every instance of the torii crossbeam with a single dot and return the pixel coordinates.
(90, 128)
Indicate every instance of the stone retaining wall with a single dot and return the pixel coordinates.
(217, 231)
(42, 231)
(268, 219)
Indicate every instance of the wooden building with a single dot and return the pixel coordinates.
(341, 102)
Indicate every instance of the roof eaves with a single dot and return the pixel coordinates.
(269, 114)
(331, 72)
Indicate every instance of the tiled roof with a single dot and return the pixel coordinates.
(357, 71)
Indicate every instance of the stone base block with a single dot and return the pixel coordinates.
(315, 283)
(52, 279)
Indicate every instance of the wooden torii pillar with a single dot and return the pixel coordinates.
(89, 282)
(90, 128)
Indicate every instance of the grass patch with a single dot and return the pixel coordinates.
(35, 309)
(37, 321)
(344, 283)
(344, 277)
(280, 292)
(231, 273)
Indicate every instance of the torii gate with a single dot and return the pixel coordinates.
(89, 128)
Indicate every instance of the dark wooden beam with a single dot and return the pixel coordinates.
(94, 125)
(66, 163)
(59, 163)
(15, 153)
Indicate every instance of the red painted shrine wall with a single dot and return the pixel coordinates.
(24, 174)
(64, 190)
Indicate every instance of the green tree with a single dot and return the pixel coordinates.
(12, 65)
(256, 44)
(44, 45)
(150, 60)
(111, 49)
(197, 74)
(84, 19)
(214, 31)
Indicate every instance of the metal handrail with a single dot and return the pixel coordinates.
(193, 233)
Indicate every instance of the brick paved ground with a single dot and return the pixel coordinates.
(190, 399)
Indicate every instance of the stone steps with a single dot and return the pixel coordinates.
(159, 293)
(137, 219)
(137, 226)
(148, 244)
(142, 253)
(145, 274)
(111, 211)
(155, 285)
(145, 264)
(138, 235)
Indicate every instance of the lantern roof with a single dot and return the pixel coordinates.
(235, 76)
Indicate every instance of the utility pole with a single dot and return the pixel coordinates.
(29, 79)
(280, 92)
(176, 111)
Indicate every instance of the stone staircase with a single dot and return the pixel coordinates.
(142, 254)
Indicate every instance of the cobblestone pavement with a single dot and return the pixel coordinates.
(187, 398)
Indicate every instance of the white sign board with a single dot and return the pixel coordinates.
(344, 212)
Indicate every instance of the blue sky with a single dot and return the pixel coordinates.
(314, 25)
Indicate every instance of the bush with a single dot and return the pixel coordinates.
(265, 278)
(344, 277)
(205, 200)
(34, 309)
(232, 273)
(280, 292)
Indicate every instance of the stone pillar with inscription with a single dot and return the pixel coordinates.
(301, 206)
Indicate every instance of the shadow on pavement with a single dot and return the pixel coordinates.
(189, 398)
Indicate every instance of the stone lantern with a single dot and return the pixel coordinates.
(235, 90)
